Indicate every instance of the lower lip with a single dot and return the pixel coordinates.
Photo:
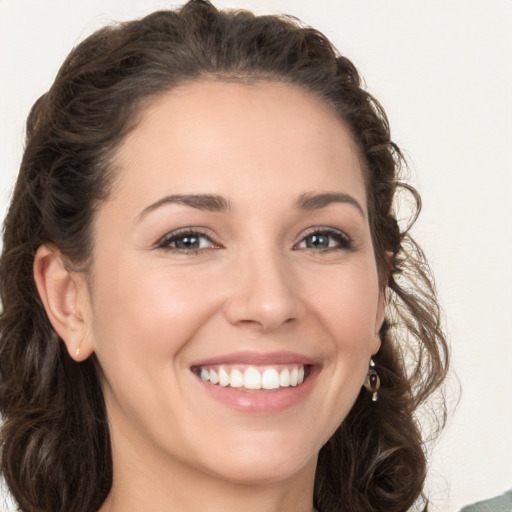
(260, 402)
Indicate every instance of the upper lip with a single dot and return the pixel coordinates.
(258, 359)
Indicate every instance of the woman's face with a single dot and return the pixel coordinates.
(236, 248)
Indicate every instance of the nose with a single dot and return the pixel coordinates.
(264, 292)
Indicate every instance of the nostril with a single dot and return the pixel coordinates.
(263, 293)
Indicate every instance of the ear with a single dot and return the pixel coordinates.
(66, 300)
(381, 306)
(379, 320)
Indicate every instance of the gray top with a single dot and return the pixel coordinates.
(502, 503)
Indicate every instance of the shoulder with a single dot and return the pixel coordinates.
(501, 503)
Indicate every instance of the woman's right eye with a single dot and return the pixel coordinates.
(187, 241)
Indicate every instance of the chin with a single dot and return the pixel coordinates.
(265, 472)
(262, 463)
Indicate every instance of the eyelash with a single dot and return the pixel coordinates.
(342, 241)
(181, 234)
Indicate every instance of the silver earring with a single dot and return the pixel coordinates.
(372, 381)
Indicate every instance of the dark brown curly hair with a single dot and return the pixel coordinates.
(55, 445)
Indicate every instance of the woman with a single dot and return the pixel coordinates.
(204, 283)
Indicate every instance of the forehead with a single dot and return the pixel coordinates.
(229, 135)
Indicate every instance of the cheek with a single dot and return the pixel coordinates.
(148, 313)
(346, 302)
(346, 305)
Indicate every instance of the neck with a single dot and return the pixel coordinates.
(213, 496)
(142, 484)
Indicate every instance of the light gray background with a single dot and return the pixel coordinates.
(443, 71)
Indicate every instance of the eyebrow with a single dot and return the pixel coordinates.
(311, 201)
(206, 202)
(215, 203)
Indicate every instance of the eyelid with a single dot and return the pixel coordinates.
(165, 241)
(346, 242)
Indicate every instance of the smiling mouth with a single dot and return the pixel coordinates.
(254, 378)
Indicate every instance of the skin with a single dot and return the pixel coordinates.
(149, 310)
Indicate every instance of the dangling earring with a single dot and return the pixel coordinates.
(372, 381)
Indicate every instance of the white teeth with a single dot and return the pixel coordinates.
(294, 375)
(236, 378)
(214, 378)
(254, 377)
(270, 379)
(284, 378)
(223, 377)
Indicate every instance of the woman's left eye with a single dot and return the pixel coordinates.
(187, 241)
(325, 239)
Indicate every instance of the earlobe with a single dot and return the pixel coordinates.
(382, 302)
(63, 294)
(379, 320)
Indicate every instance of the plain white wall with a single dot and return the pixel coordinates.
(443, 71)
